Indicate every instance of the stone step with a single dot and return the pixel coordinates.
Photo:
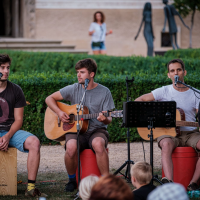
(78, 51)
(28, 41)
(35, 46)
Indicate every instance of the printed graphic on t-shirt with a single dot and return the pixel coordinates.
(4, 110)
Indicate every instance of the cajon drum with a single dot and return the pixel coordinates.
(8, 172)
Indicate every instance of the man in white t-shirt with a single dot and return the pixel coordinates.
(187, 100)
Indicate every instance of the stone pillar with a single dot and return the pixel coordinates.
(15, 18)
(7, 14)
(29, 19)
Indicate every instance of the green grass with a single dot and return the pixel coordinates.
(53, 185)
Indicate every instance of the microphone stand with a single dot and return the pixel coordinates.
(79, 107)
(188, 86)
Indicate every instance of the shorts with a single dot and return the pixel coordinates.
(18, 139)
(85, 139)
(186, 139)
(101, 47)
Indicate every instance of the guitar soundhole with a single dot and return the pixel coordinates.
(68, 126)
(71, 118)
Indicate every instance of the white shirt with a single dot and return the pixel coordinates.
(100, 32)
(184, 100)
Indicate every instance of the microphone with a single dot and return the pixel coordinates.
(176, 77)
(1, 75)
(86, 83)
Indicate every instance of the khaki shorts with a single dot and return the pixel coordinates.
(186, 139)
(85, 139)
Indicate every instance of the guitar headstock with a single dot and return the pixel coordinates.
(117, 114)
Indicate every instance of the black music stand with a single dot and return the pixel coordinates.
(150, 115)
(127, 163)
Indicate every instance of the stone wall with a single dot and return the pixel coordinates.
(71, 26)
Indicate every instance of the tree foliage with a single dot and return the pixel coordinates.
(186, 7)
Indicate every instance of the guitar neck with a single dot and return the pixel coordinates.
(185, 123)
(90, 116)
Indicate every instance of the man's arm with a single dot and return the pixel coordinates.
(146, 97)
(51, 102)
(18, 115)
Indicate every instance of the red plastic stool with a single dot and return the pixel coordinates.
(184, 161)
(88, 164)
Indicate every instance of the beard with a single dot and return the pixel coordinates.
(4, 80)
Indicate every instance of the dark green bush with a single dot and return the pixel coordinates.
(29, 62)
(184, 53)
(37, 87)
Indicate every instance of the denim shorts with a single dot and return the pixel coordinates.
(101, 47)
(18, 139)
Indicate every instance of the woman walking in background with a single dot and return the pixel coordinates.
(98, 32)
(148, 30)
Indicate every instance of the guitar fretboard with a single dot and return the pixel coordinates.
(90, 116)
(185, 123)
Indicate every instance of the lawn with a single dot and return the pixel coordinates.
(53, 185)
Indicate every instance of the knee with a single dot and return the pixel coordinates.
(198, 145)
(98, 144)
(71, 149)
(33, 144)
(167, 146)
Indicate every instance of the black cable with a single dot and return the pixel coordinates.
(143, 150)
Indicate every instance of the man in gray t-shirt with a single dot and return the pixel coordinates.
(98, 99)
(190, 136)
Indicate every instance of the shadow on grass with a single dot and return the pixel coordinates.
(53, 185)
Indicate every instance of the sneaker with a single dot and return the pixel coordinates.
(34, 193)
(192, 186)
(70, 186)
(166, 180)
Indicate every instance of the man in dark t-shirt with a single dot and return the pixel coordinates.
(98, 98)
(12, 102)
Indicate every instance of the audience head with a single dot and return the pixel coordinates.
(141, 172)
(168, 191)
(86, 185)
(111, 187)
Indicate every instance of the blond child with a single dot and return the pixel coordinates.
(141, 175)
(86, 185)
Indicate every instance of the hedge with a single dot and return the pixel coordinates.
(184, 53)
(29, 62)
(37, 87)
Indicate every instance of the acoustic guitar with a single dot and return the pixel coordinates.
(157, 132)
(55, 129)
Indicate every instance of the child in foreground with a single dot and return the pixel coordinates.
(86, 185)
(141, 175)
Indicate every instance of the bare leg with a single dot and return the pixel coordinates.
(32, 144)
(103, 52)
(96, 52)
(175, 39)
(171, 38)
(71, 159)
(196, 175)
(167, 146)
(98, 144)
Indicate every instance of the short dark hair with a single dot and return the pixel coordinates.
(87, 63)
(4, 58)
(102, 16)
(177, 60)
(110, 187)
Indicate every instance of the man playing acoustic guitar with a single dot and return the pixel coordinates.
(189, 102)
(98, 98)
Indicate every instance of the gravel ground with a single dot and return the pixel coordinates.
(52, 157)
